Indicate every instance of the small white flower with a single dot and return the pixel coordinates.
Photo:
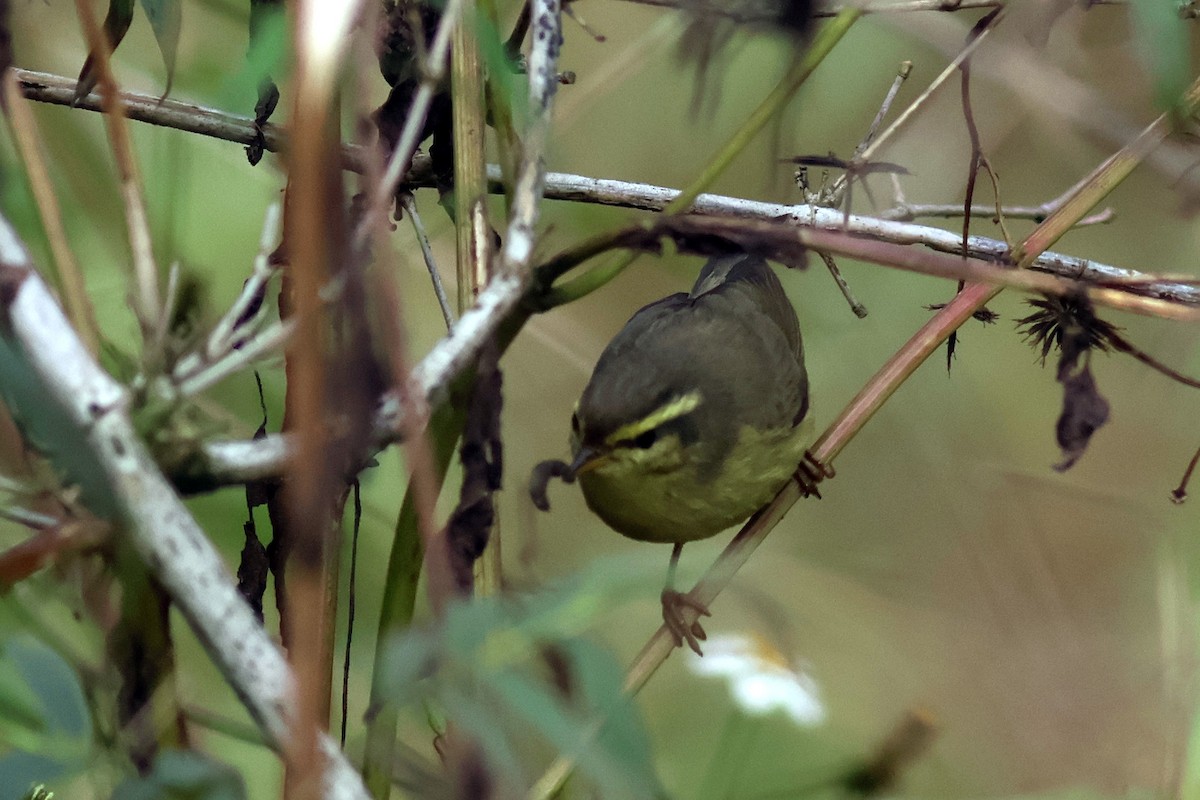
(760, 677)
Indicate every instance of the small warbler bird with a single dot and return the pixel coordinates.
(696, 415)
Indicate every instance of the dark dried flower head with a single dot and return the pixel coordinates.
(1067, 323)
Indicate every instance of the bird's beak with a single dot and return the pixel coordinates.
(587, 459)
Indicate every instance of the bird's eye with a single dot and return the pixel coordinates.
(646, 439)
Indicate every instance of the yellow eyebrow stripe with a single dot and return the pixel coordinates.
(673, 409)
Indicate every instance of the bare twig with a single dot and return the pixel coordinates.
(856, 306)
(147, 301)
(901, 76)
(234, 328)
(246, 309)
(1027, 71)
(126, 483)
(837, 191)
(410, 208)
(907, 212)
(267, 342)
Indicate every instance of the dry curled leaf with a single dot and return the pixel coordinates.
(470, 526)
(1069, 323)
(1084, 412)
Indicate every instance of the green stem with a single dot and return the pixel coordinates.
(399, 598)
(779, 97)
(470, 169)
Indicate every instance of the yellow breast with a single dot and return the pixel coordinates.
(676, 505)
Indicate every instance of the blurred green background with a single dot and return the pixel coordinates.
(1046, 621)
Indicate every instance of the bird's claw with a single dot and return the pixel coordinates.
(672, 604)
(810, 473)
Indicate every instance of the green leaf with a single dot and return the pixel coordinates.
(617, 771)
(166, 19)
(44, 718)
(116, 24)
(184, 775)
(49, 427)
(409, 658)
(1162, 42)
(268, 54)
(55, 685)
(600, 681)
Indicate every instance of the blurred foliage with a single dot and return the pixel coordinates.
(45, 724)
(184, 775)
(506, 668)
(1162, 42)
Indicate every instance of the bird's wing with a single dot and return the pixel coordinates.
(748, 315)
(752, 276)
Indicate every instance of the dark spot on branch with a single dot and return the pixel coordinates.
(11, 278)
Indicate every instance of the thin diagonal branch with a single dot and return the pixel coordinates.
(28, 141)
(147, 300)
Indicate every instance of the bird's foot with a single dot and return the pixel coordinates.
(673, 603)
(810, 473)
